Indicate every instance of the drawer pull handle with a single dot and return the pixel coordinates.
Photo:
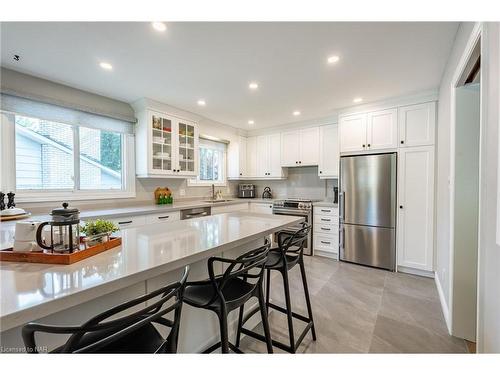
(325, 220)
(326, 210)
(163, 217)
(325, 228)
(326, 242)
(125, 222)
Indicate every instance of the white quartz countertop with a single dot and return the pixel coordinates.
(31, 291)
(325, 204)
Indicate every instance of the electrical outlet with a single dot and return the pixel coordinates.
(182, 192)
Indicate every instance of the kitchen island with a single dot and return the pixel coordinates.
(150, 257)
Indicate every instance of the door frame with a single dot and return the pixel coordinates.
(475, 36)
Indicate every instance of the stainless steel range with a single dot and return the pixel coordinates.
(296, 207)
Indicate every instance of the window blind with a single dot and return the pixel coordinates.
(51, 112)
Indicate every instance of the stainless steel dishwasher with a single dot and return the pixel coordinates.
(191, 213)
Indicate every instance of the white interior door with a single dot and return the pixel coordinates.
(290, 146)
(417, 124)
(328, 151)
(353, 133)
(416, 208)
(309, 150)
(382, 130)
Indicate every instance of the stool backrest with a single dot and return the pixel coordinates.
(107, 331)
(249, 267)
(294, 242)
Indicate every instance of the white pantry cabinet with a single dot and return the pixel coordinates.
(328, 151)
(369, 131)
(300, 147)
(165, 145)
(237, 159)
(416, 208)
(417, 124)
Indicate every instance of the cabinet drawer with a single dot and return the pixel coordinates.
(322, 219)
(129, 221)
(326, 229)
(326, 243)
(326, 211)
(163, 217)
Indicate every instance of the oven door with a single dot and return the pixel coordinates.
(293, 228)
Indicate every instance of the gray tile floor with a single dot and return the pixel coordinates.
(362, 310)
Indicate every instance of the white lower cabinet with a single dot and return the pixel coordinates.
(229, 208)
(416, 208)
(261, 208)
(326, 231)
(163, 217)
(129, 221)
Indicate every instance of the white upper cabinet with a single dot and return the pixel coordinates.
(328, 151)
(416, 207)
(309, 150)
(268, 156)
(237, 158)
(382, 130)
(252, 157)
(275, 169)
(290, 143)
(300, 147)
(262, 155)
(353, 133)
(165, 145)
(417, 124)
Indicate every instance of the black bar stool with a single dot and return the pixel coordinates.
(282, 259)
(224, 293)
(133, 333)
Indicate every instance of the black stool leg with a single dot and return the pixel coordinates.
(288, 302)
(265, 322)
(308, 300)
(240, 325)
(224, 339)
(268, 289)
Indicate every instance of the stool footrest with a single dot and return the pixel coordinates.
(278, 344)
(233, 347)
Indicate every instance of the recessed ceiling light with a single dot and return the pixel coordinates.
(201, 102)
(333, 59)
(159, 26)
(296, 113)
(357, 100)
(106, 66)
(253, 85)
(251, 122)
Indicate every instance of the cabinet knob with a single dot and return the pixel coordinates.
(241, 174)
(300, 162)
(363, 146)
(402, 142)
(401, 206)
(296, 162)
(368, 145)
(320, 172)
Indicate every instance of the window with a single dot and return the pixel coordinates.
(212, 163)
(45, 156)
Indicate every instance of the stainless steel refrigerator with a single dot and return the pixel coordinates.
(367, 210)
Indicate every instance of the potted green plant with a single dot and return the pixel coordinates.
(97, 231)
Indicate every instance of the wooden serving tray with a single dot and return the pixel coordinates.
(15, 217)
(8, 255)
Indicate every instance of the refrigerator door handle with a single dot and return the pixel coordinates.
(341, 205)
(341, 235)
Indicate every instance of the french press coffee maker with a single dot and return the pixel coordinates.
(64, 231)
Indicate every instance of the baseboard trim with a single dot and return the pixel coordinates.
(444, 305)
(414, 271)
(326, 254)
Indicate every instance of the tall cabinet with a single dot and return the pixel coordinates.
(165, 145)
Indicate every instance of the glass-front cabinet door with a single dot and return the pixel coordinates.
(187, 136)
(162, 139)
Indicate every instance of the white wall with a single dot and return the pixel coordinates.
(488, 328)
(443, 163)
(489, 253)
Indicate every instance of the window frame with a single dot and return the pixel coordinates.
(8, 163)
(222, 183)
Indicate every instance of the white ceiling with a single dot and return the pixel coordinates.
(216, 61)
